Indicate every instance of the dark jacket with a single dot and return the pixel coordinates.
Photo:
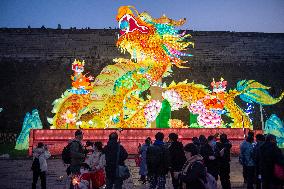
(246, 154)
(110, 151)
(212, 165)
(226, 158)
(157, 159)
(256, 155)
(177, 157)
(76, 152)
(195, 173)
(269, 155)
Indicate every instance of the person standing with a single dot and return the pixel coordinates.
(39, 166)
(77, 156)
(193, 173)
(143, 165)
(157, 158)
(177, 158)
(210, 154)
(224, 161)
(251, 135)
(96, 161)
(269, 156)
(196, 142)
(260, 139)
(76, 153)
(248, 160)
(111, 155)
(202, 141)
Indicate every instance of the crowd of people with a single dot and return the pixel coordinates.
(196, 165)
(193, 166)
(260, 160)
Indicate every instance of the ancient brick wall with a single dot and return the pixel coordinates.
(36, 65)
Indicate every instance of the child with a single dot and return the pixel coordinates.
(96, 160)
(82, 181)
(39, 166)
(97, 163)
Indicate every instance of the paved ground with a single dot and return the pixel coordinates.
(16, 174)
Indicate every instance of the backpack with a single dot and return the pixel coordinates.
(66, 153)
(35, 165)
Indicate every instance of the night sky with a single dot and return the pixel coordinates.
(202, 15)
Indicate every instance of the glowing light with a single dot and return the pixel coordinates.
(275, 126)
(31, 121)
(117, 97)
(69, 117)
(152, 110)
(174, 99)
(176, 123)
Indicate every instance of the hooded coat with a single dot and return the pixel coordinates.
(42, 154)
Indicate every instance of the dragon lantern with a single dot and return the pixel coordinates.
(116, 98)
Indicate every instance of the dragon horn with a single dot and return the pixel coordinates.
(130, 6)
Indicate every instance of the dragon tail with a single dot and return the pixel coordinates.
(252, 91)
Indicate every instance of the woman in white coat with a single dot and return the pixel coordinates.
(39, 166)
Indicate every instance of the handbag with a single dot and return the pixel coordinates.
(98, 178)
(279, 172)
(122, 171)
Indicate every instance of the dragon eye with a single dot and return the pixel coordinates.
(124, 25)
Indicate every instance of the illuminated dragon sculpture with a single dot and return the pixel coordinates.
(130, 94)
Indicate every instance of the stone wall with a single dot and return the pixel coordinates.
(8, 138)
(36, 66)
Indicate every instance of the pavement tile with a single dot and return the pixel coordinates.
(16, 174)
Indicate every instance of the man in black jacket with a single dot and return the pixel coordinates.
(177, 158)
(157, 159)
(260, 139)
(210, 154)
(224, 146)
(76, 153)
(111, 150)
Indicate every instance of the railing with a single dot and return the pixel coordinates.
(130, 138)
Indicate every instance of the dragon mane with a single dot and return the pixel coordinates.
(143, 35)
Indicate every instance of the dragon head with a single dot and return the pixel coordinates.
(145, 37)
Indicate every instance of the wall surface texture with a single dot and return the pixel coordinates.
(36, 66)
